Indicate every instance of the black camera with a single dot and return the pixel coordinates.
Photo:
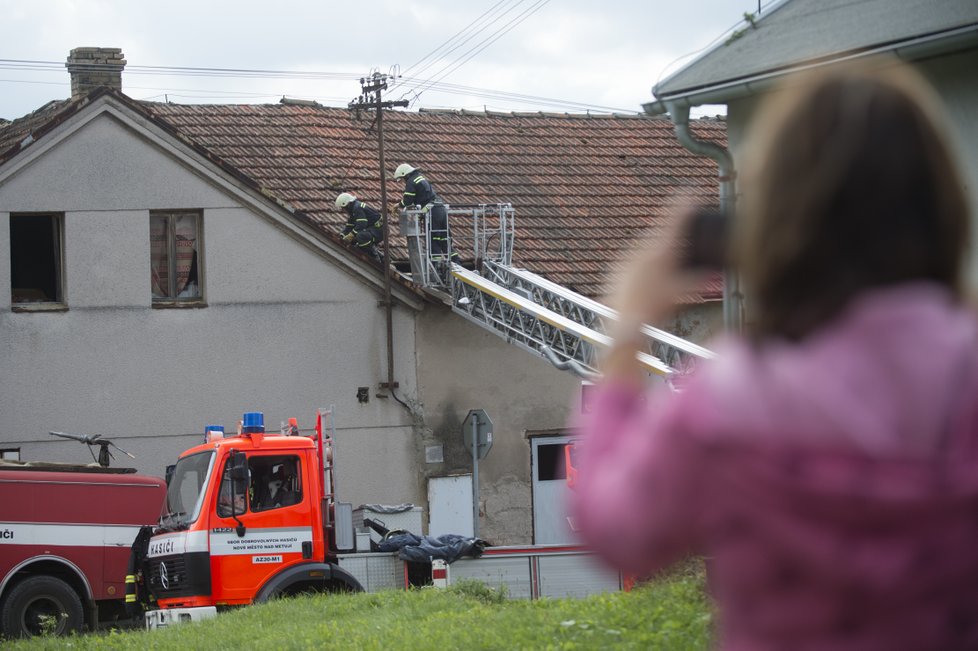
(705, 240)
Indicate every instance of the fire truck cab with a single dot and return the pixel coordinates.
(246, 518)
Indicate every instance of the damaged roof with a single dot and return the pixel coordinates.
(584, 187)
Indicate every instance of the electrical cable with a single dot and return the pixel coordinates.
(465, 41)
(420, 84)
(482, 45)
(451, 89)
(487, 93)
(183, 71)
(454, 36)
(716, 40)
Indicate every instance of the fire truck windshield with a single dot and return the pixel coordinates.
(185, 493)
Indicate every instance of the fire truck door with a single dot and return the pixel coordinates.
(278, 518)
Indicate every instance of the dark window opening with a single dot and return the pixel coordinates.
(35, 259)
(550, 462)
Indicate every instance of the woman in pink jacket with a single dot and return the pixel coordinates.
(826, 464)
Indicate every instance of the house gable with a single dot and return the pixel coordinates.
(286, 327)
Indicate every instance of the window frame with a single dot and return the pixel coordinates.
(57, 220)
(261, 466)
(171, 243)
(10, 454)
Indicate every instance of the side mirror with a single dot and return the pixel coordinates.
(169, 472)
(239, 466)
(240, 474)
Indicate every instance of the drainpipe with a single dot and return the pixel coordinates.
(732, 298)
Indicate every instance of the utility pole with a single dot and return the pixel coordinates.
(375, 84)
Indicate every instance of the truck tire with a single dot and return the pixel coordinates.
(41, 605)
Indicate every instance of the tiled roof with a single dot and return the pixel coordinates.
(14, 133)
(584, 187)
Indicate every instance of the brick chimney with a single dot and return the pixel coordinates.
(91, 67)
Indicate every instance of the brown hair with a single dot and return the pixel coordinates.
(852, 185)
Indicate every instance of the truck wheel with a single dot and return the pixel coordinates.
(41, 605)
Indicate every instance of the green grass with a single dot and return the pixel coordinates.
(670, 613)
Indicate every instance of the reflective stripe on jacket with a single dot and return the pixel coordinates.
(417, 190)
(360, 217)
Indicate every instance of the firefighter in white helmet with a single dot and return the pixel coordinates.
(364, 227)
(418, 192)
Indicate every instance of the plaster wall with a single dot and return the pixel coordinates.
(462, 367)
(697, 323)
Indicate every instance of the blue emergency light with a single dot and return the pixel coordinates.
(253, 422)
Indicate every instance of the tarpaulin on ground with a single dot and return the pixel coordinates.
(423, 549)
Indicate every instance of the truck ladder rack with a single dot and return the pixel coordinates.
(522, 322)
(677, 353)
(524, 308)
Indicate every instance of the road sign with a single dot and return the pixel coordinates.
(478, 425)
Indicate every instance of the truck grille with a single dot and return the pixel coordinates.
(182, 575)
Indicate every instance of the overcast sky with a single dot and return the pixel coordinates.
(582, 53)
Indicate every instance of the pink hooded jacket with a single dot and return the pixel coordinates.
(832, 484)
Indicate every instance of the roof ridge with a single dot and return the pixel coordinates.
(535, 114)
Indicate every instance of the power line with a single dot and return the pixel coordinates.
(516, 97)
(716, 40)
(482, 45)
(184, 71)
(464, 41)
(410, 82)
(450, 40)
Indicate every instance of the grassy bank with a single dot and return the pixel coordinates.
(670, 613)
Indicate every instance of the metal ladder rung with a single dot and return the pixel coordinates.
(562, 323)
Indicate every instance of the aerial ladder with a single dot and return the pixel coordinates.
(524, 308)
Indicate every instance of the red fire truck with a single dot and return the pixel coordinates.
(247, 518)
(65, 538)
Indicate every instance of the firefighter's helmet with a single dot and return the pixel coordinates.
(344, 200)
(402, 170)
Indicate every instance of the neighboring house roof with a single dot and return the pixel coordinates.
(16, 132)
(584, 187)
(797, 33)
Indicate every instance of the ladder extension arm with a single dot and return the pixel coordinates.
(523, 322)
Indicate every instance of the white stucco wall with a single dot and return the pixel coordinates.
(520, 392)
(284, 331)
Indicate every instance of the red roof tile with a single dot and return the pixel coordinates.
(584, 187)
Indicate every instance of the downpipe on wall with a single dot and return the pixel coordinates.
(732, 296)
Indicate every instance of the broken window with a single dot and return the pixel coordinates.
(36, 254)
(551, 464)
(174, 249)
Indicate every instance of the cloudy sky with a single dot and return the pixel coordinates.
(508, 55)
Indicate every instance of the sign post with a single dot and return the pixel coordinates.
(477, 436)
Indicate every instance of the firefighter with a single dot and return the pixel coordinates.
(278, 491)
(364, 226)
(418, 192)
